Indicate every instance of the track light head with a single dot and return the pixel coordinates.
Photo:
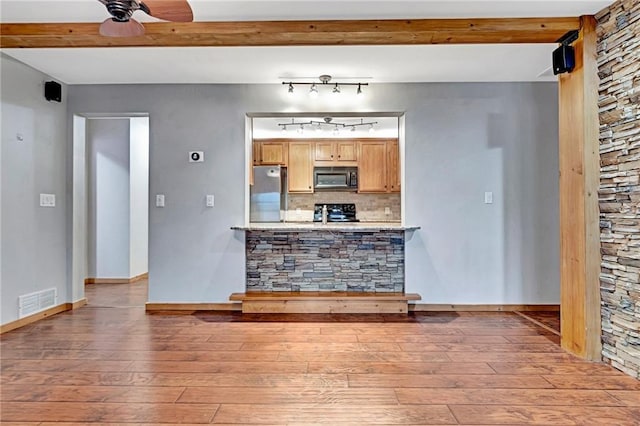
(313, 91)
(290, 88)
(359, 91)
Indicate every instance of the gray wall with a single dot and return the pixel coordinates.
(461, 140)
(33, 255)
(108, 198)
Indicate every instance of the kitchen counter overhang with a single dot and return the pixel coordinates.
(331, 226)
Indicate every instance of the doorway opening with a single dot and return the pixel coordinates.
(111, 209)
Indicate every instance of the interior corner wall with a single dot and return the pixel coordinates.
(462, 140)
(139, 196)
(108, 197)
(619, 194)
(34, 148)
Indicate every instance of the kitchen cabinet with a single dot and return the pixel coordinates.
(339, 153)
(393, 166)
(300, 169)
(267, 153)
(372, 167)
(379, 166)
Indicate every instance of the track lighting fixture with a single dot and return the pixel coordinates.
(324, 81)
(328, 124)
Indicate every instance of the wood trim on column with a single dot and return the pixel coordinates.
(295, 33)
(579, 211)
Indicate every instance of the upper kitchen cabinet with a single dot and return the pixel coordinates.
(340, 153)
(270, 152)
(300, 173)
(393, 166)
(378, 166)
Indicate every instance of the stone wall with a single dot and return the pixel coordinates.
(619, 103)
(325, 261)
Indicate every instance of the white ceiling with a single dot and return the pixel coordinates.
(432, 63)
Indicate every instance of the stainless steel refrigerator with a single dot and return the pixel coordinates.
(268, 201)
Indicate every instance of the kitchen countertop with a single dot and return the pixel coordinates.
(331, 226)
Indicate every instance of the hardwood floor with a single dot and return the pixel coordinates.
(110, 363)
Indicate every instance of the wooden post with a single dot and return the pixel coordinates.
(579, 181)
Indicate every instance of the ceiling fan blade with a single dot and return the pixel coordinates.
(169, 10)
(112, 28)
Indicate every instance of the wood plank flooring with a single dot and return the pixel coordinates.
(110, 363)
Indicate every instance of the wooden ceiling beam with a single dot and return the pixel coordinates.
(294, 33)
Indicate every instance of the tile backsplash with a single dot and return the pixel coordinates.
(369, 207)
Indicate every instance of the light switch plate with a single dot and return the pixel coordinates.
(210, 200)
(47, 200)
(488, 197)
(159, 200)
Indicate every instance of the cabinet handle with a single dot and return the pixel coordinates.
(309, 186)
(332, 156)
(339, 156)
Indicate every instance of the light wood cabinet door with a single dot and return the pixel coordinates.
(372, 167)
(256, 153)
(272, 153)
(393, 166)
(334, 153)
(300, 170)
(324, 151)
(346, 151)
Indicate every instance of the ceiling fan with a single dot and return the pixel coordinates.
(121, 24)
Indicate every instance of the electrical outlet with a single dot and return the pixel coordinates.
(488, 197)
(210, 200)
(159, 200)
(387, 211)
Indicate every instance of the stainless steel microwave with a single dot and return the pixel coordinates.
(335, 179)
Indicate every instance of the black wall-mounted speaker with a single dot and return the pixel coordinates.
(53, 91)
(564, 59)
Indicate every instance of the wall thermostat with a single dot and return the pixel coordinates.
(196, 156)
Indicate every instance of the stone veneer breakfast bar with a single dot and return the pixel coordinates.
(355, 267)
